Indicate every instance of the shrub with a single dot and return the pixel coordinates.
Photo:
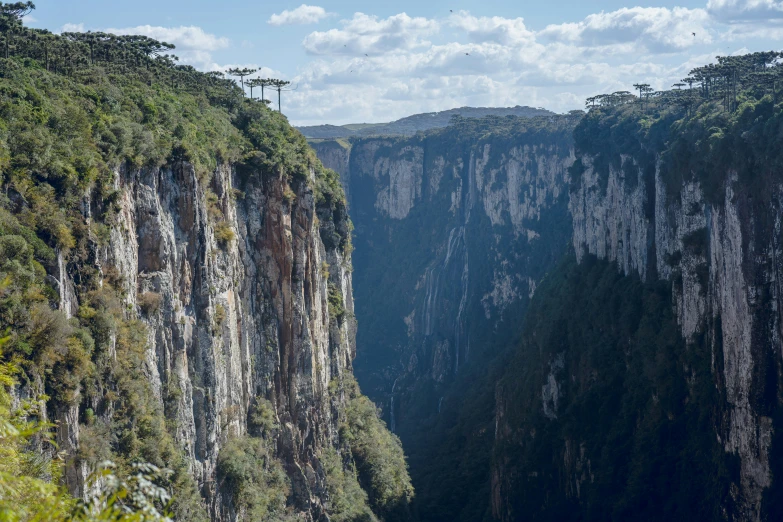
(336, 306)
(289, 196)
(213, 206)
(378, 454)
(347, 499)
(150, 302)
(224, 234)
(262, 416)
(253, 479)
(220, 314)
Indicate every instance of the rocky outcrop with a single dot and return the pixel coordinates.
(336, 155)
(232, 278)
(723, 260)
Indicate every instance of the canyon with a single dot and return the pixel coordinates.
(478, 314)
(462, 223)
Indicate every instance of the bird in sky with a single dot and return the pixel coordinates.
(467, 54)
(694, 34)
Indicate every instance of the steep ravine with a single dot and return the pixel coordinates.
(454, 230)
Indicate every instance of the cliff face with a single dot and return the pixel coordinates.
(723, 260)
(235, 320)
(595, 398)
(666, 374)
(463, 228)
(336, 155)
(176, 290)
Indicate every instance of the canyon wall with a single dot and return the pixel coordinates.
(234, 318)
(453, 232)
(694, 387)
(678, 355)
(724, 262)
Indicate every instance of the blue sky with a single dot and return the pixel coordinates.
(359, 61)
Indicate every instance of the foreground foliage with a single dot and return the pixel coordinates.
(30, 469)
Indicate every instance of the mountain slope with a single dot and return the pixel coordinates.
(410, 125)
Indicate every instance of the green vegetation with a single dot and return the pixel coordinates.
(380, 462)
(336, 306)
(635, 415)
(729, 123)
(255, 480)
(29, 488)
(347, 499)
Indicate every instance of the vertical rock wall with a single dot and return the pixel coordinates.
(724, 262)
(237, 319)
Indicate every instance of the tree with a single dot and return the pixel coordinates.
(11, 20)
(279, 85)
(241, 73)
(265, 82)
(256, 82)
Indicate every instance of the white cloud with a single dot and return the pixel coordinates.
(369, 34)
(733, 11)
(188, 38)
(653, 29)
(377, 69)
(304, 14)
(496, 29)
(72, 28)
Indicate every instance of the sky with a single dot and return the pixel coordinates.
(353, 61)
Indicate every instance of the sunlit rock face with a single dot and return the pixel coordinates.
(237, 319)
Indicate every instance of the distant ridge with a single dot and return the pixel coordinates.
(410, 125)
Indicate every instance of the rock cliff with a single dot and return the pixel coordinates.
(464, 228)
(696, 222)
(723, 260)
(237, 319)
(178, 291)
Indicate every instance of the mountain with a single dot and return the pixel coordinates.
(410, 125)
(581, 314)
(176, 293)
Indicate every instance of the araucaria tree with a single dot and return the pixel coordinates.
(254, 82)
(278, 85)
(11, 20)
(241, 73)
